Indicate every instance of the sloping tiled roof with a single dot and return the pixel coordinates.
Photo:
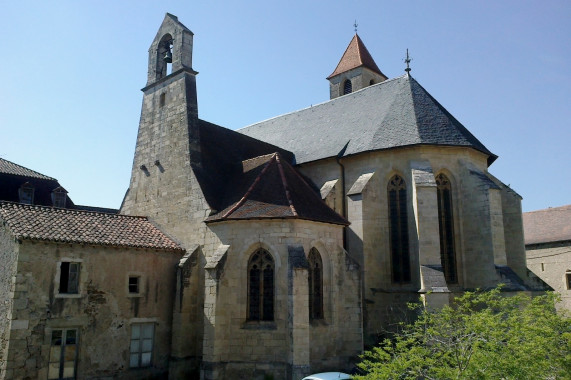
(269, 187)
(356, 55)
(41, 223)
(548, 225)
(395, 113)
(8, 167)
(222, 152)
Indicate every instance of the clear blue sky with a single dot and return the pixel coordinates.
(71, 74)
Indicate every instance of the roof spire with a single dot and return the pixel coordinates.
(355, 25)
(407, 61)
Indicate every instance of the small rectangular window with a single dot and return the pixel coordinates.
(134, 284)
(568, 280)
(69, 278)
(141, 347)
(59, 198)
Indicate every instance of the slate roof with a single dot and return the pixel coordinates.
(269, 187)
(8, 167)
(41, 223)
(548, 225)
(356, 55)
(222, 152)
(395, 113)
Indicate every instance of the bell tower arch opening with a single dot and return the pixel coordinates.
(164, 56)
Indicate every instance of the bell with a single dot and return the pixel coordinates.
(168, 56)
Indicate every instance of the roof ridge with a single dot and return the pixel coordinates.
(67, 210)
(285, 184)
(23, 167)
(250, 189)
(341, 98)
(550, 209)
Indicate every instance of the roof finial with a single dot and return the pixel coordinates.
(355, 25)
(407, 61)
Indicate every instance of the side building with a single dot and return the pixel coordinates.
(548, 248)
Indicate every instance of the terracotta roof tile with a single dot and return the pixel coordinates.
(40, 223)
(548, 225)
(8, 167)
(269, 187)
(356, 55)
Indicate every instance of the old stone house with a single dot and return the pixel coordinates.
(274, 251)
(548, 248)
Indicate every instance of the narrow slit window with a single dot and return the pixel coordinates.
(398, 224)
(315, 279)
(446, 229)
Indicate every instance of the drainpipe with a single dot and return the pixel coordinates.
(343, 198)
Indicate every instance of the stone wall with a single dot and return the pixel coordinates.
(486, 222)
(240, 349)
(8, 257)
(552, 263)
(103, 311)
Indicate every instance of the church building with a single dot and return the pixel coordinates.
(275, 251)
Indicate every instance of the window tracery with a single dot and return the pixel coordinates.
(261, 286)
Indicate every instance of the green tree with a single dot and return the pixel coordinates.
(483, 335)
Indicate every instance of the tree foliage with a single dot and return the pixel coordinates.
(483, 335)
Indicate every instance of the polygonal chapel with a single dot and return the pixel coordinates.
(252, 254)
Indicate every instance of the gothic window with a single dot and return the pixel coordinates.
(347, 87)
(446, 228)
(398, 225)
(261, 286)
(315, 278)
(26, 193)
(63, 354)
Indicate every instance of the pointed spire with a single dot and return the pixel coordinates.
(356, 55)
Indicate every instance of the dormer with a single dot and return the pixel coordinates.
(26, 193)
(355, 70)
(59, 197)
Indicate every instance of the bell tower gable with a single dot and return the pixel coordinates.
(170, 51)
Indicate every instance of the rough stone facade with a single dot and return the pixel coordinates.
(102, 311)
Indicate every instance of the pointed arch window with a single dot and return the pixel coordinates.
(347, 87)
(315, 277)
(261, 270)
(398, 225)
(446, 228)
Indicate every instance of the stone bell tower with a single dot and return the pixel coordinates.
(168, 141)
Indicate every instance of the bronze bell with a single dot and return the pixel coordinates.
(168, 56)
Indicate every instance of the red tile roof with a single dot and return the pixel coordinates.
(548, 225)
(356, 55)
(270, 188)
(8, 167)
(40, 223)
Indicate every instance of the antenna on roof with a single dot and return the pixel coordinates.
(355, 25)
(407, 61)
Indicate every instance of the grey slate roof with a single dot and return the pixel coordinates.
(8, 167)
(395, 113)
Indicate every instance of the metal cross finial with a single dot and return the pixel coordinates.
(407, 61)
(355, 25)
